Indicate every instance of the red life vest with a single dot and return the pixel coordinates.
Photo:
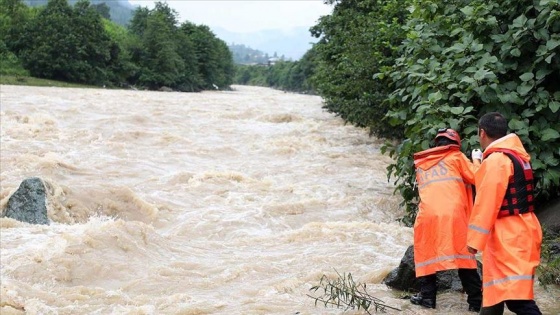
(519, 196)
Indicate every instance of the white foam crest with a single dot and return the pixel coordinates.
(230, 202)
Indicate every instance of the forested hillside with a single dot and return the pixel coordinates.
(76, 44)
(293, 76)
(121, 11)
(292, 44)
(247, 55)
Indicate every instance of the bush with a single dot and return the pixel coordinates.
(9, 63)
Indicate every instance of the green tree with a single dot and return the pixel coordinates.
(93, 45)
(103, 10)
(359, 39)
(215, 61)
(120, 68)
(66, 44)
(462, 59)
(139, 21)
(14, 15)
(292, 76)
(156, 52)
(190, 80)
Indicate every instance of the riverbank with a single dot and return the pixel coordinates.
(32, 81)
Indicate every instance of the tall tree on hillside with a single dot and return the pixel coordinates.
(47, 48)
(121, 68)
(66, 44)
(157, 54)
(357, 40)
(14, 16)
(103, 10)
(93, 44)
(190, 79)
(215, 60)
(139, 21)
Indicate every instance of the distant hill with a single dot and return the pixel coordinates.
(247, 55)
(287, 45)
(121, 10)
(291, 44)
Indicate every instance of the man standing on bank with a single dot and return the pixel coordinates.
(444, 176)
(502, 224)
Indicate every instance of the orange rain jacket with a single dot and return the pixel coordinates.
(511, 244)
(443, 175)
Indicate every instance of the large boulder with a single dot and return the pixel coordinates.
(29, 202)
(404, 277)
(549, 216)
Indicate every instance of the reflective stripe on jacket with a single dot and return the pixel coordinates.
(511, 244)
(443, 175)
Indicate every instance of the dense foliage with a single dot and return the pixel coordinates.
(13, 16)
(295, 76)
(118, 11)
(76, 44)
(406, 68)
(358, 40)
(464, 58)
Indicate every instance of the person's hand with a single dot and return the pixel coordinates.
(471, 250)
(476, 154)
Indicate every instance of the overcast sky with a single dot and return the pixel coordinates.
(247, 15)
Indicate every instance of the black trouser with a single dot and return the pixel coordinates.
(470, 279)
(520, 307)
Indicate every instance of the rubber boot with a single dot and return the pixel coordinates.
(428, 291)
(470, 279)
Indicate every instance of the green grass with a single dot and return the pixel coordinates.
(31, 81)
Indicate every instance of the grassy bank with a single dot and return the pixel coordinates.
(31, 81)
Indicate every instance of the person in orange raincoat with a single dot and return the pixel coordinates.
(502, 224)
(444, 176)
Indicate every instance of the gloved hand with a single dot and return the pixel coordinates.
(476, 154)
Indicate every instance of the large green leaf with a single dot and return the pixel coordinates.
(524, 88)
(554, 106)
(548, 158)
(549, 134)
(526, 76)
(552, 43)
(515, 124)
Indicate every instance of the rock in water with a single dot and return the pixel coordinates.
(404, 276)
(28, 203)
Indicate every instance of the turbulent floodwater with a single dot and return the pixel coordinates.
(194, 203)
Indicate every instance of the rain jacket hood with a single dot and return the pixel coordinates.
(509, 142)
(428, 158)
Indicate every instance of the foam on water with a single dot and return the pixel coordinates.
(231, 202)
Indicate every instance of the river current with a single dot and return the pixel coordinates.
(221, 202)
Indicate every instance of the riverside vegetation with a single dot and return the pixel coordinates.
(400, 68)
(405, 68)
(76, 44)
